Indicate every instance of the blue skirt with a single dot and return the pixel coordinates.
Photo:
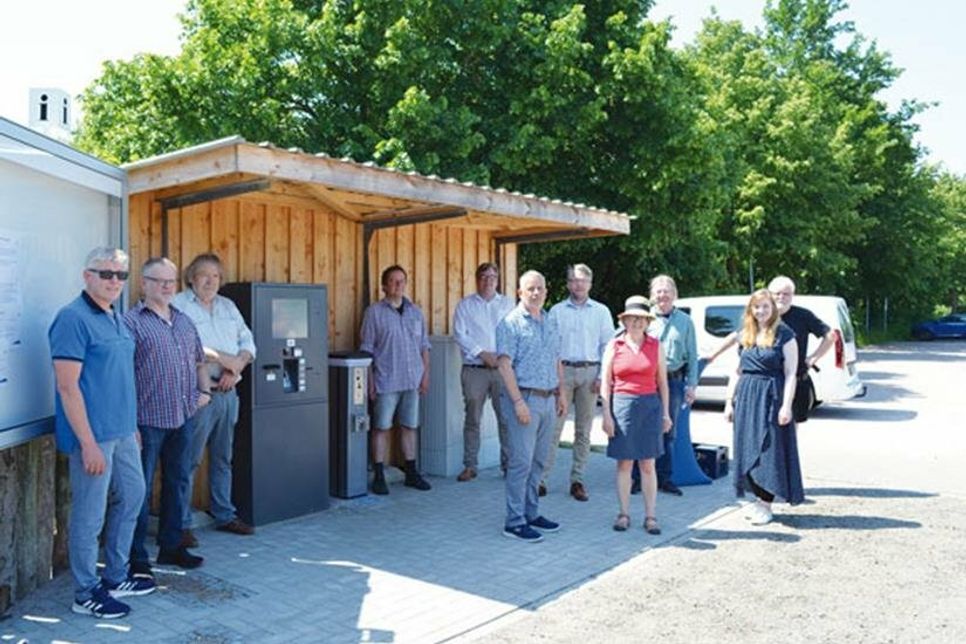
(637, 427)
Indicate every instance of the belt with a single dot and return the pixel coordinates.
(477, 366)
(543, 393)
(678, 374)
(580, 363)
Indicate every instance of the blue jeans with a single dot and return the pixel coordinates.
(214, 426)
(527, 453)
(171, 446)
(110, 501)
(663, 465)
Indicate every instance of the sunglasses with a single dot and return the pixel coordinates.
(106, 275)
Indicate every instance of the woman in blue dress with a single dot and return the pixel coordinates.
(759, 401)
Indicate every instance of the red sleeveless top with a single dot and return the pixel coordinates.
(635, 372)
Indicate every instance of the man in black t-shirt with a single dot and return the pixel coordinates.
(804, 323)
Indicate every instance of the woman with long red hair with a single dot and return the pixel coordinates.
(759, 401)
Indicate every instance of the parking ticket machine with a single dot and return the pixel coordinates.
(281, 452)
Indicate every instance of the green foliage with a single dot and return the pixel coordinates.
(762, 153)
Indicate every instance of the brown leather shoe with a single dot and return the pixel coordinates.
(467, 474)
(188, 539)
(578, 492)
(236, 526)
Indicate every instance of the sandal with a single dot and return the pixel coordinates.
(622, 523)
(650, 526)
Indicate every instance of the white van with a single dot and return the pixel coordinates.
(716, 316)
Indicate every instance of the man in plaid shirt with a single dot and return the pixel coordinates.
(172, 384)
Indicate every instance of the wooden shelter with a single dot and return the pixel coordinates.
(288, 216)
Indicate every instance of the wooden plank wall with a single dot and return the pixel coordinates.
(265, 238)
(441, 262)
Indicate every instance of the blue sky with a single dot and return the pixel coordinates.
(61, 43)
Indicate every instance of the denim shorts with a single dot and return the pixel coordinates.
(404, 405)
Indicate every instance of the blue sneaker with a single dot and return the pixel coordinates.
(131, 586)
(523, 533)
(544, 525)
(101, 605)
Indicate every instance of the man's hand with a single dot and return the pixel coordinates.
(204, 398)
(93, 459)
(489, 359)
(424, 384)
(561, 406)
(522, 411)
(596, 386)
(666, 424)
(729, 412)
(227, 381)
(689, 395)
(233, 363)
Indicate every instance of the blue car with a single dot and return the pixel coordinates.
(948, 326)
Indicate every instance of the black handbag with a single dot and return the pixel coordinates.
(804, 398)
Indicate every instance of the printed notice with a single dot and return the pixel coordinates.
(11, 302)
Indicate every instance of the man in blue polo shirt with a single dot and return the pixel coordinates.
(96, 422)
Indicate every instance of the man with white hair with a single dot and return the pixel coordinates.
(675, 331)
(804, 323)
(96, 424)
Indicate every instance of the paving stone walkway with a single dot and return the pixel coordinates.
(409, 567)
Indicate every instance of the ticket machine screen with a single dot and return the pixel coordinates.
(290, 318)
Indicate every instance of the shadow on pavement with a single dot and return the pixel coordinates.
(842, 522)
(868, 492)
(863, 414)
(701, 539)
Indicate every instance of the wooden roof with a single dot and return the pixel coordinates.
(364, 192)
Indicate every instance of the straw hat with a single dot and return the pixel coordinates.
(637, 305)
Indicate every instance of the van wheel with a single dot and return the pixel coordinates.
(923, 334)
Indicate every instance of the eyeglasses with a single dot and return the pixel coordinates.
(158, 280)
(106, 275)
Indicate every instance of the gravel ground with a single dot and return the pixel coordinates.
(856, 564)
(880, 558)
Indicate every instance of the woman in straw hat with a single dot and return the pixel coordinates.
(635, 396)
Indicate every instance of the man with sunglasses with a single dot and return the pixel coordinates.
(172, 384)
(96, 425)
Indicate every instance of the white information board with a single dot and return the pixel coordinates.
(51, 215)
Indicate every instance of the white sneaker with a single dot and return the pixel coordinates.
(760, 514)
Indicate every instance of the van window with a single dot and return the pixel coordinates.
(719, 321)
(848, 333)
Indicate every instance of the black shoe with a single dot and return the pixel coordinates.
(541, 490)
(671, 488)
(141, 569)
(180, 557)
(635, 486)
(379, 486)
(417, 481)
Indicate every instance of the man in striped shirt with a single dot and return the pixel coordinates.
(170, 375)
